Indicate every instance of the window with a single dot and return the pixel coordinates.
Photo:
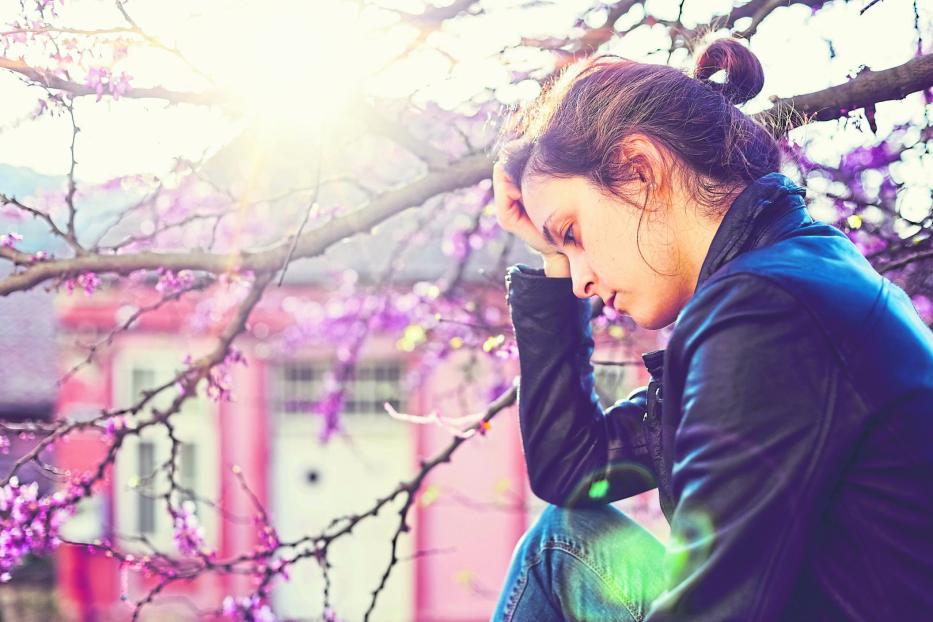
(375, 384)
(186, 476)
(145, 512)
(140, 479)
(143, 379)
(300, 384)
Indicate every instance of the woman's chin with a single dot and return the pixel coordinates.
(650, 319)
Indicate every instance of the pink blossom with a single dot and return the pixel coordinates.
(247, 608)
(95, 80)
(456, 245)
(173, 282)
(9, 240)
(120, 86)
(114, 424)
(189, 535)
(866, 243)
(88, 280)
(29, 524)
(103, 81)
(268, 536)
(219, 378)
(42, 107)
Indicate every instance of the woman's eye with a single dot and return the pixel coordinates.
(568, 236)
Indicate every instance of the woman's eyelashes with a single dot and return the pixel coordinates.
(568, 238)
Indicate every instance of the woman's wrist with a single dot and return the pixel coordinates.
(556, 266)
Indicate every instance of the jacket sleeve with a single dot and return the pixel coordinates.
(576, 454)
(753, 457)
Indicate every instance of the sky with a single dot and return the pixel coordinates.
(305, 59)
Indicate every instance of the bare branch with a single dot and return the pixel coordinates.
(758, 10)
(78, 90)
(868, 88)
(466, 172)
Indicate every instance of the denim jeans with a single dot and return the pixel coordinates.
(582, 564)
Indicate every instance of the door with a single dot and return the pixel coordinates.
(314, 483)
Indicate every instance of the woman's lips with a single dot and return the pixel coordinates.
(611, 302)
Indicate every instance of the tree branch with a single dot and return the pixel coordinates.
(466, 172)
(867, 89)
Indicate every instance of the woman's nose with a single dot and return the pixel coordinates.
(582, 278)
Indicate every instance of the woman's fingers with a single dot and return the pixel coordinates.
(506, 198)
(509, 210)
(510, 213)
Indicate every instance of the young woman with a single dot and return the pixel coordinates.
(788, 425)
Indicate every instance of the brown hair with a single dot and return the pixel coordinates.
(576, 125)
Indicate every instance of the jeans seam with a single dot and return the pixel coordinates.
(579, 556)
(519, 588)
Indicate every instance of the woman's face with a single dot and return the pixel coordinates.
(599, 234)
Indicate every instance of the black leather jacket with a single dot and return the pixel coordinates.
(788, 426)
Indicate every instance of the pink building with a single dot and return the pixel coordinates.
(466, 520)
(468, 513)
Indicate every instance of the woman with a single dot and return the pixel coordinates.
(792, 443)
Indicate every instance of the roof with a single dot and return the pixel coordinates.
(29, 372)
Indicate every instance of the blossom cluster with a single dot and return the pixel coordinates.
(114, 424)
(268, 536)
(9, 240)
(105, 82)
(247, 608)
(171, 282)
(29, 524)
(89, 281)
(220, 378)
(188, 532)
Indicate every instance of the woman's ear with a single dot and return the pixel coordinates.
(644, 157)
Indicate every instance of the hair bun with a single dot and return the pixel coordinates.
(744, 75)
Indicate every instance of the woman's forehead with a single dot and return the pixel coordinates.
(544, 195)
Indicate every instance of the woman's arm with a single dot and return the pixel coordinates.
(758, 446)
(576, 454)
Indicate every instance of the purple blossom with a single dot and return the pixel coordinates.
(9, 240)
(456, 245)
(88, 280)
(114, 424)
(866, 243)
(330, 407)
(120, 86)
(173, 282)
(247, 608)
(95, 79)
(49, 4)
(189, 535)
(103, 81)
(220, 379)
(268, 536)
(42, 107)
(29, 524)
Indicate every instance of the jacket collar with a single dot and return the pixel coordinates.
(766, 209)
(755, 219)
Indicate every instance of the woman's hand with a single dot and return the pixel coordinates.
(510, 213)
(511, 216)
